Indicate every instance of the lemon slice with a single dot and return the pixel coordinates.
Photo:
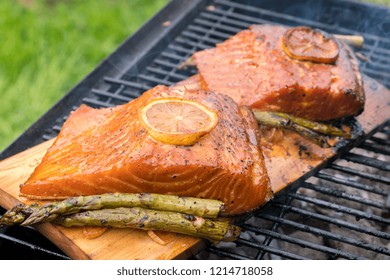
(305, 43)
(177, 121)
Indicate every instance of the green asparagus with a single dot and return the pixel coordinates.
(17, 215)
(146, 219)
(314, 131)
(315, 126)
(207, 208)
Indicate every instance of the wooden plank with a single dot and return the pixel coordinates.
(287, 161)
(113, 244)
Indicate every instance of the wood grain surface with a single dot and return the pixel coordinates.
(288, 161)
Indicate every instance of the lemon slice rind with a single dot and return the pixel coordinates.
(185, 138)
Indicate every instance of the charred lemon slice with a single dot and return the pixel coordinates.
(305, 43)
(177, 121)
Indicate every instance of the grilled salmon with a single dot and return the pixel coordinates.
(107, 150)
(253, 68)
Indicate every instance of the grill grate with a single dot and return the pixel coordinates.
(27, 244)
(340, 212)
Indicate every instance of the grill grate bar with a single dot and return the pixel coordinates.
(386, 131)
(193, 44)
(96, 103)
(360, 173)
(166, 64)
(47, 137)
(222, 36)
(302, 243)
(380, 141)
(269, 249)
(176, 76)
(382, 165)
(242, 20)
(376, 75)
(32, 246)
(155, 80)
(205, 22)
(376, 148)
(335, 192)
(381, 53)
(340, 208)
(348, 182)
(324, 233)
(275, 226)
(175, 57)
(378, 66)
(126, 83)
(111, 95)
(57, 128)
(203, 40)
(184, 51)
(229, 24)
(332, 220)
(226, 254)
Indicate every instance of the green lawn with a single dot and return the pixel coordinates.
(46, 49)
(48, 46)
(380, 2)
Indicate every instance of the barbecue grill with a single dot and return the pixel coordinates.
(340, 212)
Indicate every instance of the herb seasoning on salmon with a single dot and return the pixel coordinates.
(298, 71)
(109, 151)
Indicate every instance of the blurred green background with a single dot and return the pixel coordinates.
(48, 46)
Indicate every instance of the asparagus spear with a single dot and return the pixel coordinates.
(316, 132)
(316, 126)
(17, 214)
(208, 208)
(147, 219)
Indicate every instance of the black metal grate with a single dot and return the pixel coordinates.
(18, 243)
(338, 213)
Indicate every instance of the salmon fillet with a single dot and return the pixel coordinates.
(253, 69)
(107, 150)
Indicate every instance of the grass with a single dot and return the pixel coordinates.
(48, 46)
(380, 2)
